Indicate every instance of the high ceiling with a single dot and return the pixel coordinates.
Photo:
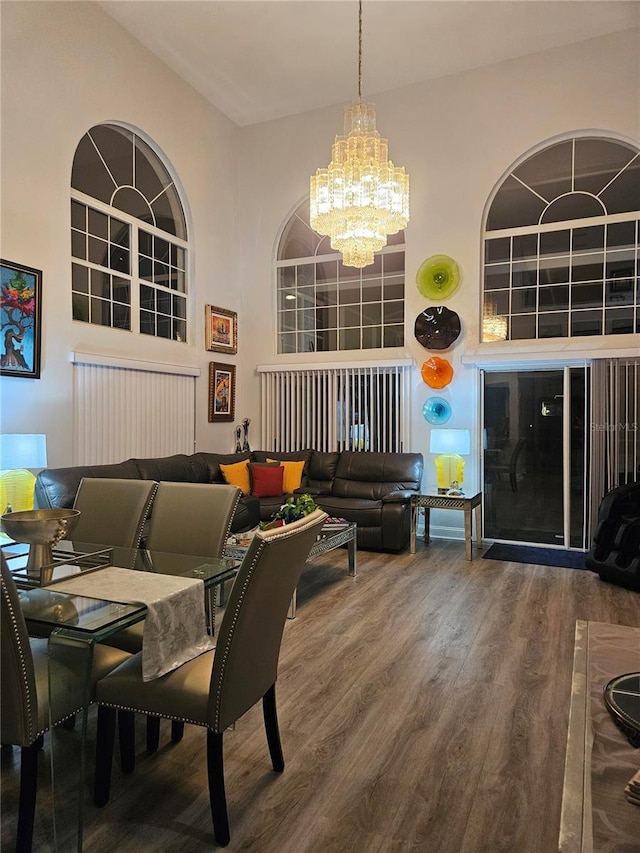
(258, 60)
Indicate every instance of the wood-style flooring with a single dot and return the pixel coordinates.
(423, 707)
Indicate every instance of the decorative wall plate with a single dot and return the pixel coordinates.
(437, 372)
(438, 277)
(437, 327)
(436, 411)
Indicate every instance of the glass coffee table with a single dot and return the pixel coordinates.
(332, 536)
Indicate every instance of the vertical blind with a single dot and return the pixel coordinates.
(120, 412)
(355, 407)
(614, 426)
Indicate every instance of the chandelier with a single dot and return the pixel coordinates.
(494, 326)
(361, 197)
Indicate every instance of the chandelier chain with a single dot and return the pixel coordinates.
(359, 50)
(361, 197)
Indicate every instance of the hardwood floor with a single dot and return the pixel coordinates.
(423, 707)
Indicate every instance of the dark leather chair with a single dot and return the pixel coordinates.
(218, 687)
(615, 550)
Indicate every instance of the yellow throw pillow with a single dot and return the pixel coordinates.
(237, 475)
(292, 475)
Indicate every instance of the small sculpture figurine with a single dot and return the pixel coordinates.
(245, 427)
(238, 432)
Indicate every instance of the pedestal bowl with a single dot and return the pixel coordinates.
(40, 529)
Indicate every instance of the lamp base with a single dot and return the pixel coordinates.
(450, 472)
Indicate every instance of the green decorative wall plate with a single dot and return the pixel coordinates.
(438, 277)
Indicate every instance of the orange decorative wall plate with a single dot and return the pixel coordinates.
(437, 372)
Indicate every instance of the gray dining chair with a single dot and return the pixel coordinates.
(113, 511)
(216, 688)
(192, 518)
(186, 518)
(25, 698)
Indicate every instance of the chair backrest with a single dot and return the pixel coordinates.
(113, 511)
(246, 659)
(192, 518)
(18, 691)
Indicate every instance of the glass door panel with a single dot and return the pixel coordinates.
(534, 463)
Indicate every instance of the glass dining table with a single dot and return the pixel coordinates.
(75, 623)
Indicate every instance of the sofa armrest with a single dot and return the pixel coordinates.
(399, 496)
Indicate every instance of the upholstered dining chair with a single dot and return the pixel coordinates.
(216, 688)
(25, 699)
(113, 511)
(186, 518)
(192, 518)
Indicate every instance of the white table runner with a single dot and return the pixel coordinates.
(175, 628)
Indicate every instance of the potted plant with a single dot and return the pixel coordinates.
(294, 508)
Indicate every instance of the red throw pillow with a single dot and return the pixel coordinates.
(266, 480)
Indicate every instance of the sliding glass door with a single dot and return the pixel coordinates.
(534, 458)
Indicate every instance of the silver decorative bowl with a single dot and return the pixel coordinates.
(40, 529)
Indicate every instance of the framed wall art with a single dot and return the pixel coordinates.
(222, 392)
(221, 330)
(20, 312)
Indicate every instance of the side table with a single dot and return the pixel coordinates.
(427, 502)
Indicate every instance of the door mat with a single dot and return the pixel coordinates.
(556, 557)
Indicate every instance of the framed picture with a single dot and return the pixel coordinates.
(221, 330)
(20, 312)
(222, 392)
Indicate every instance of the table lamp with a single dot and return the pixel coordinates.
(19, 452)
(450, 444)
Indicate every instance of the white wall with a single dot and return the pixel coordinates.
(67, 66)
(456, 137)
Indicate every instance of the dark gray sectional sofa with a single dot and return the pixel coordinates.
(371, 489)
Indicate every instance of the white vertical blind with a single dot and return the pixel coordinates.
(120, 412)
(358, 407)
(615, 427)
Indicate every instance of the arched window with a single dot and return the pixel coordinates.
(128, 237)
(561, 244)
(324, 306)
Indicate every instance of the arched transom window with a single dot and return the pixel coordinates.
(561, 244)
(324, 306)
(128, 237)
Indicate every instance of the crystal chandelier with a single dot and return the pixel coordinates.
(494, 325)
(361, 197)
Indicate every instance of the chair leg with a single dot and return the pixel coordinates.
(28, 791)
(217, 797)
(105, 737)
(127, 735)
(177, 731)
(153, 733)
(271, 727)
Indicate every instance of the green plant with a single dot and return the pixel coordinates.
(292, 509)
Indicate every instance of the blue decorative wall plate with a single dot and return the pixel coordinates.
(436, 411)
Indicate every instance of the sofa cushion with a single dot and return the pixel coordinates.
(212, 462)
(178, 468)
(362, 511)
(289, 456)
(266, 480)
(322, 470)
(373, 475)
(237, 475)
(292, 475)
